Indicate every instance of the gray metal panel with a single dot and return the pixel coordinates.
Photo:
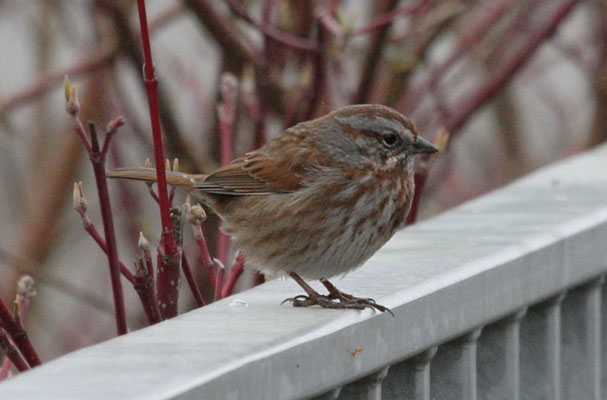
(442, 278)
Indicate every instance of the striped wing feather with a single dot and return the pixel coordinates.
(252, 174)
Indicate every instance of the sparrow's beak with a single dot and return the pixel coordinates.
(422, 146)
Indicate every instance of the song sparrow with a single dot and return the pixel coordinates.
(317, 200)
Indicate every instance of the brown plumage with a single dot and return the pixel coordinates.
(317, 200)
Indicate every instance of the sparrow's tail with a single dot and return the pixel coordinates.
(187, 181)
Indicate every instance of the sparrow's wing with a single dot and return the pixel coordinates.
(254, 174)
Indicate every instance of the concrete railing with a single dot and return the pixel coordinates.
(500, 298)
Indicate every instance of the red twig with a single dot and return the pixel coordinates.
(372, 60)
(12, 354)
(144, 283)
(97, 155)
(25, 291)
(151, 84)
(220, 275)
(187, 272)
(321, 61)
(167, 281)
(196, 217)
(168, 251)
(233, 276)
(16, 332)
(5, 369)
(384, 21)
(98, 161)
(279, 36)
(80, 206)
(235, 47)
(492, 12)
(207, 261)
(470, 103)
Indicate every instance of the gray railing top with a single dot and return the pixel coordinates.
(442, 278)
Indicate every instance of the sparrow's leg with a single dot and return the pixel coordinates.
(313, 298)
(335, 299)
(345, 298)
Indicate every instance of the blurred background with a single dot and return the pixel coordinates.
(517, 84)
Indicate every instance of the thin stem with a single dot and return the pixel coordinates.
(492, 13)
(18, 335)
(219, 279)
(151, 84)
(233, 276)
(98, 162)
(168, 250)
(373, 57)
(470, 103)
(12, 353)
(207, 261)
(187, 272)
(5, 369)
(279, 36)
(167, 281)
(384, 21)
(90, 228)
(321, 60)
(235, 48)
(144, 285)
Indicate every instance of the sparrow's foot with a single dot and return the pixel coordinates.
(337, 294)
(336, 299)
(318, 299)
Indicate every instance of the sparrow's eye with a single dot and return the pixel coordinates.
(390, 140)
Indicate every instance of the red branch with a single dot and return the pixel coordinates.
(279, 36)
(187, 272)
(492, 12)
(321, 61)
(25, 292)
(235, 47)
(470, 103)
(16, 332)
(167, 281)
(207, 261)
(144, 285)
(98, 161)
(385, 20)
(372, 59)
(80, 207)
(168, 250)
(144, 282)
(233, 276)
(97, 155)
(5, 369)
(220, 276)
(151, 84)
(12, 354)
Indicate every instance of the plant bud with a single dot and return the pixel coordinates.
(80, 203)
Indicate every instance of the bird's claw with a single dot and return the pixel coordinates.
(336, 301)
